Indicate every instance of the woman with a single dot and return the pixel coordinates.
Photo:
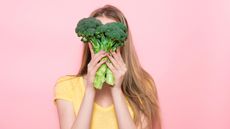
(132, 103)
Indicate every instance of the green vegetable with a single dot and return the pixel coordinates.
(105, 37)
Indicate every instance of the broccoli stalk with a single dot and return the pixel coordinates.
(105, 37)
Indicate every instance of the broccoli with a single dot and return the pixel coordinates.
(105, 37)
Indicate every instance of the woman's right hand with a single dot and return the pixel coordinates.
(93, 65)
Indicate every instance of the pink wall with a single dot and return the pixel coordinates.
(189, 44)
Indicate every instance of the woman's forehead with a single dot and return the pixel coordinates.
(105, 20)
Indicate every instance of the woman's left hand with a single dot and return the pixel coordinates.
(118, 67)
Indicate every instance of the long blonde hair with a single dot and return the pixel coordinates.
(138, 85)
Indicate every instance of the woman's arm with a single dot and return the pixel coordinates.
(124, 118)
(118, 67)
(66, 112)
(83, 120)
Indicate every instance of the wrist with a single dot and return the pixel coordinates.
(90, 90)
(115, 90)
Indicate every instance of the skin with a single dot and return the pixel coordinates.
(105, 97)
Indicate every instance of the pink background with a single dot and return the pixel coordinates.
(184, 44)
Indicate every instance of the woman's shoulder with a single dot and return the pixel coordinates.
(64, 78)
(71, 81)
(67, 78)
(65, 87)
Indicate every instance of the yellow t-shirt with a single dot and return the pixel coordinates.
(71, 88)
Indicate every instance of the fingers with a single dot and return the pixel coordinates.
(115, 63)
(112, 68)
(96, 58)
(91, 49)
(92, 70)
(98, 65)
(98, 54)
(115, 58)
(118, 58)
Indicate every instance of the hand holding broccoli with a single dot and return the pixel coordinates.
(92, 67)
(105, 37)
(118, 67)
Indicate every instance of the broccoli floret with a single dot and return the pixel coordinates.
(115, 34)
(86, 29)
(105, 37)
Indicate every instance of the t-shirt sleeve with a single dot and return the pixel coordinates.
(63, 89)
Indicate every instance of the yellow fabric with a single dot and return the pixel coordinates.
(71, 88)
